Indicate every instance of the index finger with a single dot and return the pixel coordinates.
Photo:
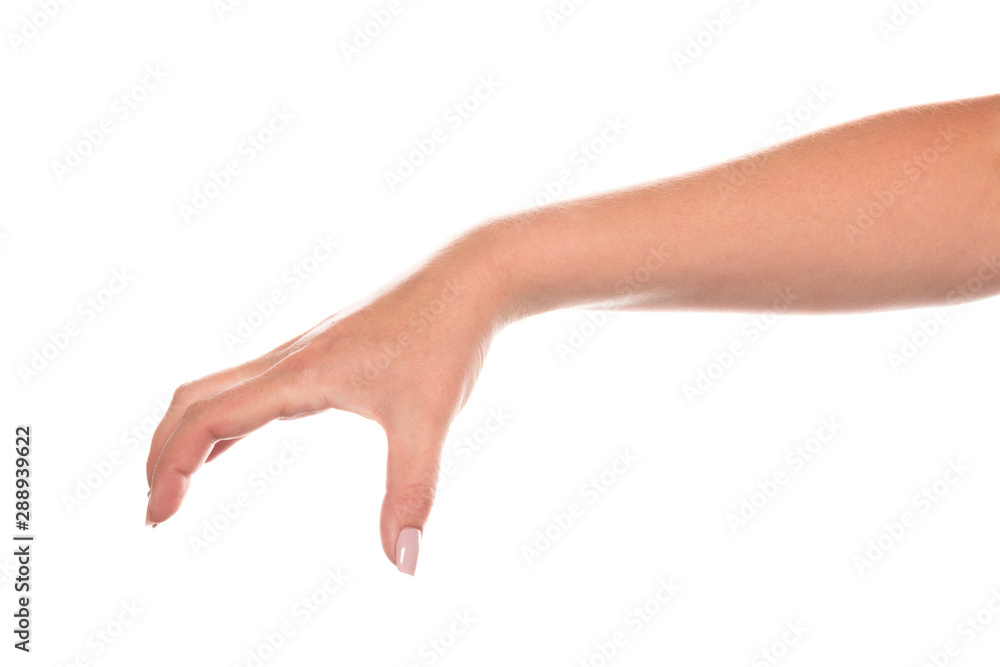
(211, 384)
(231, 413)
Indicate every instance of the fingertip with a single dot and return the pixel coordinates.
(165, 497)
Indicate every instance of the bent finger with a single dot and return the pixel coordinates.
(230, 414)
(200, 389)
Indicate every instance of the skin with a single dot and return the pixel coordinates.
(408, 356)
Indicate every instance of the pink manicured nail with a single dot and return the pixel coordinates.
(407, 550)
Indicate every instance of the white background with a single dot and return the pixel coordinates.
(620, 390)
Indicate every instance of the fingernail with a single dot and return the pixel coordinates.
(149, 518)
(148, 492)
(407, 550)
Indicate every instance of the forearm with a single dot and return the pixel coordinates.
(896, 210)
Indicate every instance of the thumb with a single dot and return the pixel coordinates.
(411, 481)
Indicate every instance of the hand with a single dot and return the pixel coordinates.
(406, 358)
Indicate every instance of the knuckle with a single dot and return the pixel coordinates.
(416, 499)
(182, 394)
(195, 410)
(299, 369)
(295, 362)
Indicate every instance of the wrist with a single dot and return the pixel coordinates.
(493, 261)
